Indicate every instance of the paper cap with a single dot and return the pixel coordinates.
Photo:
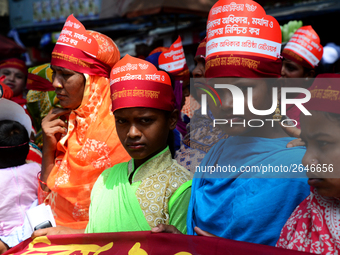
(173, 59)
(74, 35)
(325, 93)
(304, 47)
(137, 83)
(242, 28)
(79, 50)
(242, 41)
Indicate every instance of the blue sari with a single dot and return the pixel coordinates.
(246, 209)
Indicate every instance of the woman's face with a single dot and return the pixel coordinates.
(290, 69)
(144, 131)
(199, 69)
(15, 79)
(69, 87)
(321, 135)
(262, 100)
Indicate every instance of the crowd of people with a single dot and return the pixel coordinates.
(112, 143)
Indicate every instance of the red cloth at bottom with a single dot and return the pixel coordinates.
(143, 243)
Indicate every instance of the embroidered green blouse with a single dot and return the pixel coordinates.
(159, 193)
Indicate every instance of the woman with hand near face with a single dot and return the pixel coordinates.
(79, 139)
(314, 225)
(151, 188)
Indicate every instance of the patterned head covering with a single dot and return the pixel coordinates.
(242, 41)
(91, 144)
(78, 49)
(304, 48)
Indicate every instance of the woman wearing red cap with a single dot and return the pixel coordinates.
(301, 56)
(13, 72)
(314, 225)
(79, 139)
(151, 188)
(235, 193)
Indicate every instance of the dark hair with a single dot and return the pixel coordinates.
(171, 137)
(14, 144)
(172, 79)
(306, 70)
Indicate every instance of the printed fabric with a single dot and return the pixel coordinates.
(314, 226)
(200, 138)
(90, 146)
(190, 106)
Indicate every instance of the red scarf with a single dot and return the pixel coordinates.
(19, 100)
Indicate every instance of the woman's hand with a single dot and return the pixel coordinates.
(295, 143)
(53, 127)
(59, 230)
(201, 232)
(163, 228)
(293, 132)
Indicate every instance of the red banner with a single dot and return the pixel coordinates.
(141, 243)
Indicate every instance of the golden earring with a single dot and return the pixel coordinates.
(277, 115)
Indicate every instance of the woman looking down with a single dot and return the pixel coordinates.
(80, 139)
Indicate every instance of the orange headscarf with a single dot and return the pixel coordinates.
(90, 146)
